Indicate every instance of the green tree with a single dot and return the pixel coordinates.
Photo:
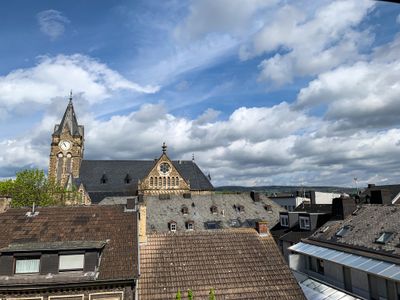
(211, 295)
(6, 187)
(190, 295)
(178, 295)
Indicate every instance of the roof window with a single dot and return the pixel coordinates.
(384, 237)
(128, 179)
(172, 226)
(304, 222)
(211, 225)
(343, 231)
(284, 220)
(189, 225)
(268, 207)
(214, 209)
(103, 179)
(184, 210)
(238, 208)
(71, 262)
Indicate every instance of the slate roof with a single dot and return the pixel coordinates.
(91, 172)
(160, 212)
(69, 120)
(101, 224)
(237, 263)
(367, 223)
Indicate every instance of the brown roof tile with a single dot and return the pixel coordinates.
(80, 223)
(237, 263)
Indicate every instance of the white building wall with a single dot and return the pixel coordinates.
(325, 198)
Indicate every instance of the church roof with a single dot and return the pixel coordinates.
(69, 120)
(114, 173)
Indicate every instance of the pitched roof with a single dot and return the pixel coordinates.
(365, 225)
(75, 227)
(91, 172)
(237, 263)
(69, 120)
(160, 212)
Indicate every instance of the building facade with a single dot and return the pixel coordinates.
(98, 179)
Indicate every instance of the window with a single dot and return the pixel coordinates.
(159, 181)
(172, 226)
(213, 209)
(164, 182)
(69, 163)
(304, 222)
(268, 207)
(128, 179)
(342, 231)
(320, 266)
(211, 225)
(184, 210)
(27, 265)
(71, 262)
(384, 237)
(176, 181)
(151, 181)
(169, 181)
(284, 220)
(239, 208)
(173, 181)
(189, 225)
(103, 179)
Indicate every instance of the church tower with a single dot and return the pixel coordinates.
(66, 152)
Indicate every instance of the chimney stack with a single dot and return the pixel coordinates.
(262, 228)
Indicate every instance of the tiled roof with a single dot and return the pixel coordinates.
(91, 172)
(237, 263)
(160, 212)
(108, 224)
(366, 225)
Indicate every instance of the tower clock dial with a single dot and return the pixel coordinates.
(65, 145)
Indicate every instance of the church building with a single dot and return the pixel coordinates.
(99, 179)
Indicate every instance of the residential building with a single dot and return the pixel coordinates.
(74, 252)
(359, 254)
(98, 179)
(381, 194)
(237, 263)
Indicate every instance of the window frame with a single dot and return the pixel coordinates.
(284, 217)
(21, 258)
(70, 269)
(305, 226)
(170, 226)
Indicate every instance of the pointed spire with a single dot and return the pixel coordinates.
(69, 120)
(164, 148)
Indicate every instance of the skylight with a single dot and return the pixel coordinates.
(342, 231)
(384, 237)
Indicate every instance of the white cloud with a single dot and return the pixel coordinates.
(52, 23)
(309, 41)
(219, 16)
(55, 76)
(365, 94)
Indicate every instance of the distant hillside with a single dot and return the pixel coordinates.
(285, 189)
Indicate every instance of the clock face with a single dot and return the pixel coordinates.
(164, 168)
(65, 145)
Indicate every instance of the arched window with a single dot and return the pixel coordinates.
(164, 182)
(60, 164)
(68, 163)
(151, 181)
(159, 182)
(177, 181)
(173, 181)
(168, 181)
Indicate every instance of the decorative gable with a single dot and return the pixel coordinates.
(163, 178)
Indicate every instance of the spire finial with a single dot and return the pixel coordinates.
(70, 96)
(192, 156)
(164, 148)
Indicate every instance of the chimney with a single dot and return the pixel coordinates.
(142, 223)
(262, 228)
(255, 196)
(130, 204)
(371, 185)
(342, 207)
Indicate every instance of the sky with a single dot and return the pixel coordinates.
(261, 92)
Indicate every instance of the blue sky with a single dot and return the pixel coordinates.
(262, 91)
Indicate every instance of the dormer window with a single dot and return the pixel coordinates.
(127, 179)
(214, 209)
(184, 210)
(172, 226)
(189, 225)
(384, 237)
(27, 265)
(103, 179)
(304, 222)
(284, 220)
(239, 208)
(71, 262)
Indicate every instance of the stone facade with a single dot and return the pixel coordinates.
(163, 179)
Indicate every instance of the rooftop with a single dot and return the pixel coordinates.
(243, 265)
